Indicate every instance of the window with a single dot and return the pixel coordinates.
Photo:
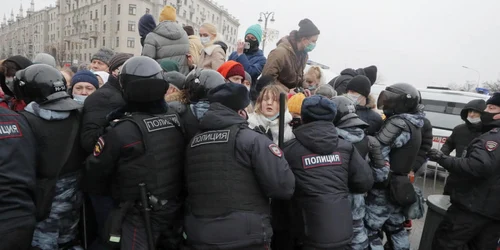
(213, 17)
(104, 11)
(442, 114)
(131, 26)
(104, 26)
(119, 8)
(147, 10)
(132, 8)
(104, 42)
(185, 2)
(117, 43)
(95, 27)
(117, 25)
(85, 57)
(91, 15)
(90, 27)
(130, 42)
(184, 14)
(164, 2)
(96, 14)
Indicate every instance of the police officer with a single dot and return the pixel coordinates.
(400, 137)
(55, 121)
(143, 148)
(473, 219)
(231, 171)
(17, 165)
(352, 129)
(326, 169)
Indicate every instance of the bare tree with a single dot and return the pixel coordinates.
(467, 86)
(492, 86)
(61, 54)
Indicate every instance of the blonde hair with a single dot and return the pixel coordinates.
(315, 71)
(210, 28)
(273, 89)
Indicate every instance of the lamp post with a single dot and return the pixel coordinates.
(478, 74)
(266, 16)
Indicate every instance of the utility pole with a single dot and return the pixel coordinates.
(266, 16)
(478, 74)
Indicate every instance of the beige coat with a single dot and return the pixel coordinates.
(195, 47)
(212, 57)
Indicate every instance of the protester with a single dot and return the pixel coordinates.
(8, 70)
(248, 81)
(473, 219)
(176, 82)
(295, 107)
(267, 112)
(83, 84)
(169, 65)
(232, 71)
(168, 41)
(45, 58)
(146, 25)
(102, 77)
(326, 91)
(339, 83)
(230, 179)
(115, 64)
(195, 46)
(68, 75)
(148, 137)
(212, 56)
(358, 90)
(100, 60)
(286, 63)
(18, 167)
(313, 78)
(53, 115)
(326, 168)
(256, 88)
(248, 53)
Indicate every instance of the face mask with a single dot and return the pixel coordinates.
(274, 117)
(486, 117)
(205, 40)
(312, 88)
(475, 120)
(251, 44)
(354, 98)
(79, 98)
(248, 88)
(310, 47)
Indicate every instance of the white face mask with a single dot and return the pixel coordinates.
(80, 99)
(248, 88)
(474, 120)
(205, 40)
(354, 98)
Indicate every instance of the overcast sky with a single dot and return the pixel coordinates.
(424, 42)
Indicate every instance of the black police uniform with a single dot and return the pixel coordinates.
(17, 181)
(145, 146)
(473, 219)
(231, 171)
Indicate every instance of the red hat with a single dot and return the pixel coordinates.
(231, 68)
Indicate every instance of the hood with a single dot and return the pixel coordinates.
(416, 119)
(371, 103)
(146, 24)
(219, 116)
(195, 38)
(285, 43)
(478, 105)
(320, 137)
(170, 30)
(349, 72)
(351, 120)
(352, 135)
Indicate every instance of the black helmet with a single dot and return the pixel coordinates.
(200, 81)
(346, 116)
(399, 98)
(44, 85)
(142, 80)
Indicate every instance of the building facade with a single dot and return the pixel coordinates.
(73, 30)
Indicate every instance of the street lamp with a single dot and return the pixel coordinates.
(266, 16)
(478, 74)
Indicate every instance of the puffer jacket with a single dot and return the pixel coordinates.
(212, 57)
(252, 61)
(168, 41)
(255, 119)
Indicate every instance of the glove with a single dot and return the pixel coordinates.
(435, 155)
(261, 130)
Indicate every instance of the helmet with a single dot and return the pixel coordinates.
(200, 81)
(346, 116)
(142, 80)
(44, 85)
(399, 98)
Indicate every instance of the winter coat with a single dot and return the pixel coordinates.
(286, 64)
(370, 116)
(255, 119)
(195, 47)
(212, 57)
(425, 146)
(168, 41)
(252, 61)
(339, 83)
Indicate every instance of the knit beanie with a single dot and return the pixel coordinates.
(44, 58)
(175, 79)
(494, 99)
(20, 61)
(307, 28)
(295, 103)
(248, 77)
(256, 31)
(169, 65)
(104, 55)
(189, 30)
(85, 76)
(118, 60)
(168, 14)
(232, 95)
(231, 68)
(146, 24)
(318, 108)
(360, 84)
(371, 73)
(326, 91)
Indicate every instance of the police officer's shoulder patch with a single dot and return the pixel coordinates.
(491, 145)
(99, 146)
(276, 150)
(10, 129)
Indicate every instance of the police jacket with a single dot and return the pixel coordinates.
(231, 171)
(190, 122)
(326, 169)
(142, 148)
(479, 175)
(17, 165)
(368, 115)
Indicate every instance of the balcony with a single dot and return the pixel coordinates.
(93, 34)
(84, 36)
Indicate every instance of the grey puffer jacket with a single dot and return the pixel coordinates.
(168, 41)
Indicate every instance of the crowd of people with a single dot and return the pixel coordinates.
(180, 148)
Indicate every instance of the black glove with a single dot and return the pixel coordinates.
(260, 129)
(435, 155)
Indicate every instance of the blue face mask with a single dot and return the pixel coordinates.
(310, 47)
(273, 117)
